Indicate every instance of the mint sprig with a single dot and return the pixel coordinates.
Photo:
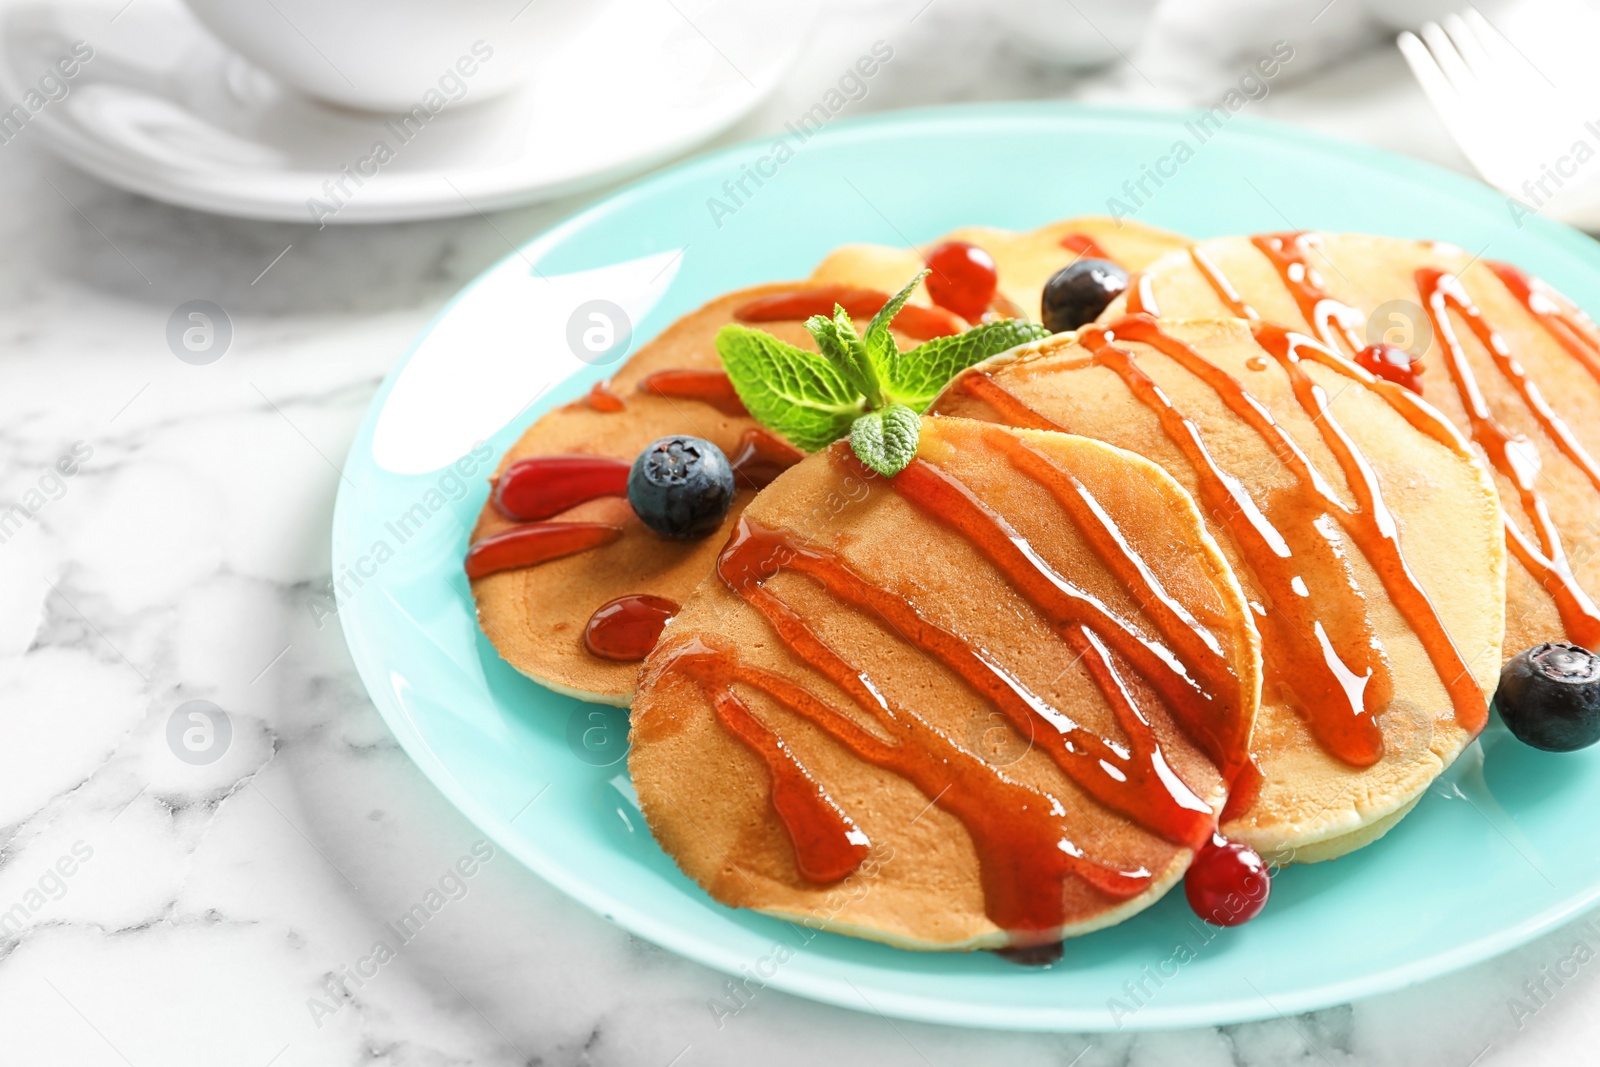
(857, 383)
(799, 394)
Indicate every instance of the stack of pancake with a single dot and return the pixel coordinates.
(1232, 559)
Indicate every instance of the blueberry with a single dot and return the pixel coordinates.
(1078, 292)
(1549, 696)
(681, 487)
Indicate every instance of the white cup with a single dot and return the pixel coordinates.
(388, 55)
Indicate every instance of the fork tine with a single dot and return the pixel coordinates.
(1459, 119)
(1470, 48)
(1514, 94)
(1434, 84)
(1503, 53)
(1449, 60)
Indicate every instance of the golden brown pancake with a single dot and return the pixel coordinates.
(1024, 261)
(994, 700)
(1380, 652)
(1532, 411)
(536, 616)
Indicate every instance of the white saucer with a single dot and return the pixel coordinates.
(163, 109)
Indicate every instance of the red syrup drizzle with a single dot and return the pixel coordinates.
(1546, 561)
(761, 457)
(1085, 247)
(1140, 785)
(1512, 456)
(915, 321)
(1018, 832)
(980, 385)
(601, 398)
(1087, 626)
(1370, 526)
(1317, 619)
(1221, 286)
(627, 628)
(828, 846)
(1286, 259)
(1244, 786)
(541, 487)
(1373, 529)
(712, 387)
(1333, 320)
(1243, 791)
(532, 543)
(1574, 332)
(1025, 855)
(1141, 298)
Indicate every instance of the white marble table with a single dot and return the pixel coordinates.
(207, 906)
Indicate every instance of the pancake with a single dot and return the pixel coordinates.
(1532, 411)
(1380, 653)
(992, 701)
(1024, 261)
(536, 617)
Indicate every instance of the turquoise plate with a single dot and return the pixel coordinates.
(1501, 849)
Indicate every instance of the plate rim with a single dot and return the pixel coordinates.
(917, 1006)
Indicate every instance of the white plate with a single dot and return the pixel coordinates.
(163, 109)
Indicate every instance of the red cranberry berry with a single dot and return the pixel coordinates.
(1227, 883)
(963, 279)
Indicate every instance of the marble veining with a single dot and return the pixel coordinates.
(160, 913)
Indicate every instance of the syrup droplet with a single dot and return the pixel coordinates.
(601, 398)
(627, 628)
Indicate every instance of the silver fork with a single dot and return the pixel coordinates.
(1526, 135)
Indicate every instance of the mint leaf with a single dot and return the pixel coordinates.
(829, 343)
(915, 377)
(886, 440)
(796, 393)
(879, 340)
(854, 351)
(842, 348)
